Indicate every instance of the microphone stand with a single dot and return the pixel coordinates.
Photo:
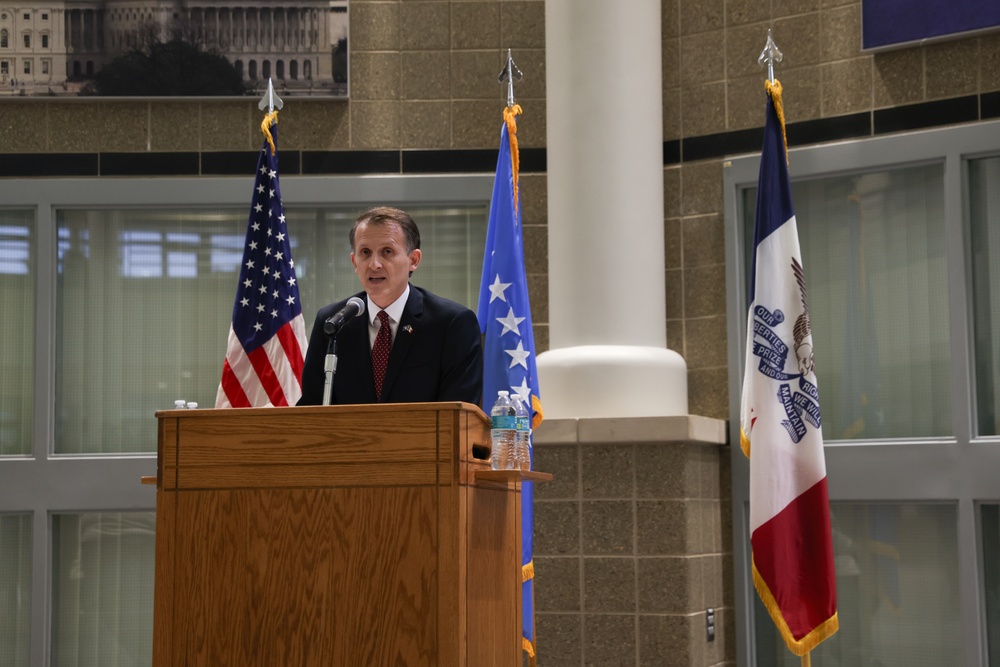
(330, 366)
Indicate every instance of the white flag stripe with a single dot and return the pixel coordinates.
(783, 470)
(283, 370)
(245, 373)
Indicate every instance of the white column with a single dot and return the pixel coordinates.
(607, 313)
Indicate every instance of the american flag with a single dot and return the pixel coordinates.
(267, 337)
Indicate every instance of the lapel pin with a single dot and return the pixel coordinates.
(407, 328)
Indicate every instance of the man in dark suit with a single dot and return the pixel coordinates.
(434, 354)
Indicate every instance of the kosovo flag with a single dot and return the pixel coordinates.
(509, 344)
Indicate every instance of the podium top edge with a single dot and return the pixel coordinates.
(360, 408)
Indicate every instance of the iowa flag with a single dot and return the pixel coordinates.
(780, 427)
(509, 344)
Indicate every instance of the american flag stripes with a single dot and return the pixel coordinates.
(267, 337)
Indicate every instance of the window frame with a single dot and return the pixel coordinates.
(952, 469)
(44, 483)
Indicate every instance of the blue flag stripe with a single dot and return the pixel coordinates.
(774, 191)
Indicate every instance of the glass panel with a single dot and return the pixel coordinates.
(991, 579)
(15, 589)
(897, 590)
(984, 213)
(145, 299)
(17, 328)
(873, 249)
(102, 589)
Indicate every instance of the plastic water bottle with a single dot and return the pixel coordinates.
(503, 432)
(522, 439)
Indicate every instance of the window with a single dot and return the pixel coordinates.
(884, 366)
(45, 16)
(27, 41)
(4, 67)
(17, 295)
(27, 66)
(45, 67)
(27, 16)
(154, 264)
(102, 581)
(141, 265)
(4, 39)
(897, 570)
(990, 520)
(984, 213)
(15, 588)
(45, 41)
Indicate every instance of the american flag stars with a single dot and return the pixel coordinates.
(268, 289)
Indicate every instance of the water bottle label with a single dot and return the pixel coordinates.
(503, 421)
(523, 424)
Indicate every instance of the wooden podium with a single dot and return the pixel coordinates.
(337, 535)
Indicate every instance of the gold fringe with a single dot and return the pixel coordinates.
(536, 405)
(745, 443)
(802, 646)
(529, 648)
(265, 127)
(528, 571)
(509, 114)
(774, 90)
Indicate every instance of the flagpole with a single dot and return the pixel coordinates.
(270, 100)
(769, 56)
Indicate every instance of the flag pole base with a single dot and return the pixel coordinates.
(612, 381)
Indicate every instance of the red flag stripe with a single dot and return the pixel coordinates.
(269, 383)
(287, 357)
(230, 386)
(793, 570)
(245, 374)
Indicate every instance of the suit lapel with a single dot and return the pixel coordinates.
(409, 325)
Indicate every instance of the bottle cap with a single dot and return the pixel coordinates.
(503, 393)
(180, 403)
(192, 405)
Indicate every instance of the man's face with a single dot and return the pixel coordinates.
(381, 261)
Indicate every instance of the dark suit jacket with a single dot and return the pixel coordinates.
(437, 355)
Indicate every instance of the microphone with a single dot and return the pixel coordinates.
(355, 308)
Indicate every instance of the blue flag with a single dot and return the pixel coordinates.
(509, 345)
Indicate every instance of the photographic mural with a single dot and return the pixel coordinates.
(158, 48)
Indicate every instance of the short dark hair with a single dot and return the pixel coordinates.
(381, 215)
